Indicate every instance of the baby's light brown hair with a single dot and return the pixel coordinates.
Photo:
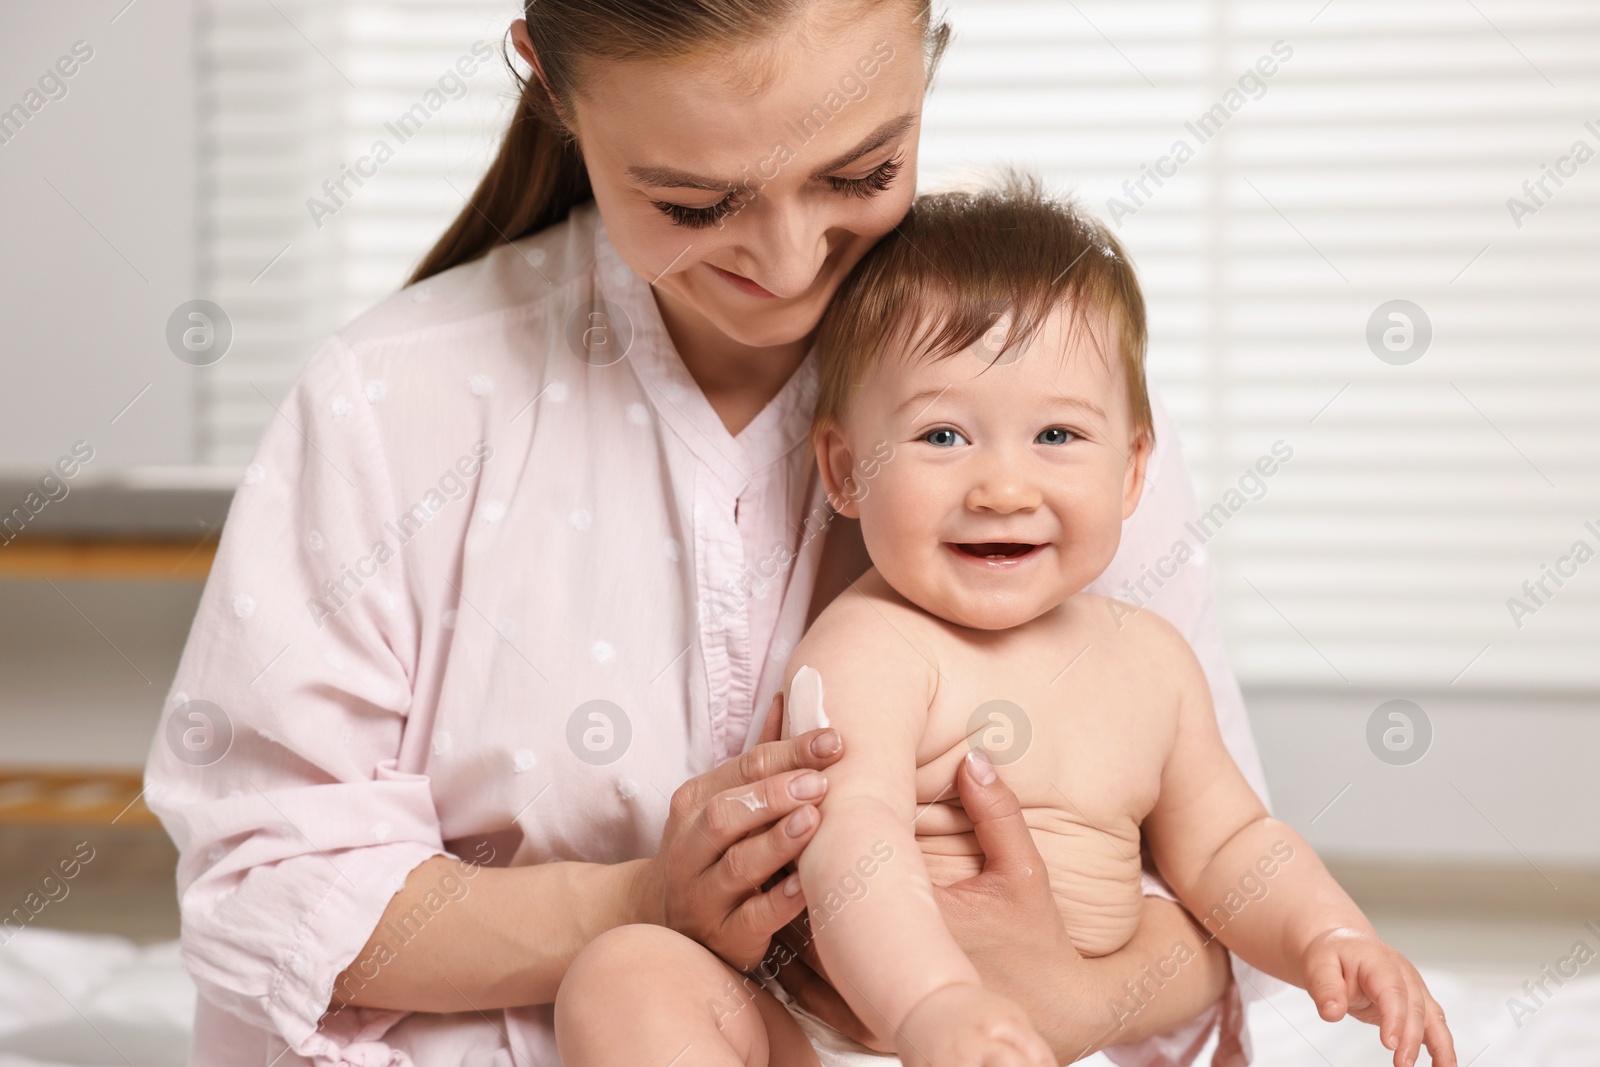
(964, 259)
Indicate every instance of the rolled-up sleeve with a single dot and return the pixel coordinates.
(279, 767)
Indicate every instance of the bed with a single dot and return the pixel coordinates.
(80, 999)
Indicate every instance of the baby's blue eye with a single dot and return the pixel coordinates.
(944, 438)
(1056, 435)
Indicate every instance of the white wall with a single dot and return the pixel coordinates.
(98, 194)
(1506, 779)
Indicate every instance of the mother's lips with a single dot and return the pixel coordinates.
(741, 283)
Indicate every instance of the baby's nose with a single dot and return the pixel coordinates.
(1004, 490)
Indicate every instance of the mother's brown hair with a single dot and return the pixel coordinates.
(538, 177)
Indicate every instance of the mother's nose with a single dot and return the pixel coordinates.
(789, 244)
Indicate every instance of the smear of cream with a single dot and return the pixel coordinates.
(751, 800)
(803, 708)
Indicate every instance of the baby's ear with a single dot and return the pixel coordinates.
(1133, 478)
(837, 464)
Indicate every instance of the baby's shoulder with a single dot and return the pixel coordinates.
(871, 605)
(1109, 616)
(1132, 634)
(871, 624)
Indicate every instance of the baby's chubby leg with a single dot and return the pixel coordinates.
(645, 994)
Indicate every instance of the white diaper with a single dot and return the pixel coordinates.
(833, 1048)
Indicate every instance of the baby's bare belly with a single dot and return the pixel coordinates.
(1094, 871)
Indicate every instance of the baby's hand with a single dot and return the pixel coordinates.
(1351, 971)
(965, 1025)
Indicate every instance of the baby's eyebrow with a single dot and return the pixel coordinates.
(925, 398)
(1078, 402)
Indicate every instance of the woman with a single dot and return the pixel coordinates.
(498, 617)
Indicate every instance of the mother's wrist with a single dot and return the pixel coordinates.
(1063, 993)
(640, 893)
(1069, 1008)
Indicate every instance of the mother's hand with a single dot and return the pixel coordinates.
(728, 832)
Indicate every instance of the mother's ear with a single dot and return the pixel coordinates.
(1133, 478)
(837, 466)
(524, 46)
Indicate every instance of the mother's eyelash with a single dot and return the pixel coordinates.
(696, 218)
(699, 217)
(876, 182)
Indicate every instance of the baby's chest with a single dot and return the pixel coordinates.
(1086, 755)
(1084, 788)
(1086, 773)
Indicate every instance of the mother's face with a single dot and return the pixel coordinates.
(747, 183)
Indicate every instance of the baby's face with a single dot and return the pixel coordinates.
(1008, 483)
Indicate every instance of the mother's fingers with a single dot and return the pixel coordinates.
(772, 728)
(814, 750)
(997, 822)
(749, 863)
(732, 814)
(757, 919)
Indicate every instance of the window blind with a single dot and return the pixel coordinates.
(1289, 177)
(338, 141)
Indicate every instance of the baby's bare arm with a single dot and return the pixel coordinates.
(1215, 843)
(878, 928)
(1258, 887)
(885, 947)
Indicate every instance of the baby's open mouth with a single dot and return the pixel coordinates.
(996, 550)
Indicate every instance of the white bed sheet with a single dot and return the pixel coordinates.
(102, 1001)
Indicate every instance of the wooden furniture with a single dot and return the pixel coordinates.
(27, 558)
(86, 797)
(61, 796)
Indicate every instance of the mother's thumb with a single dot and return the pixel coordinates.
(996, 816)
(772, 726)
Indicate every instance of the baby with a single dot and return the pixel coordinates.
(983, 414)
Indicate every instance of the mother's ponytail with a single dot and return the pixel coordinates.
(537, 178)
